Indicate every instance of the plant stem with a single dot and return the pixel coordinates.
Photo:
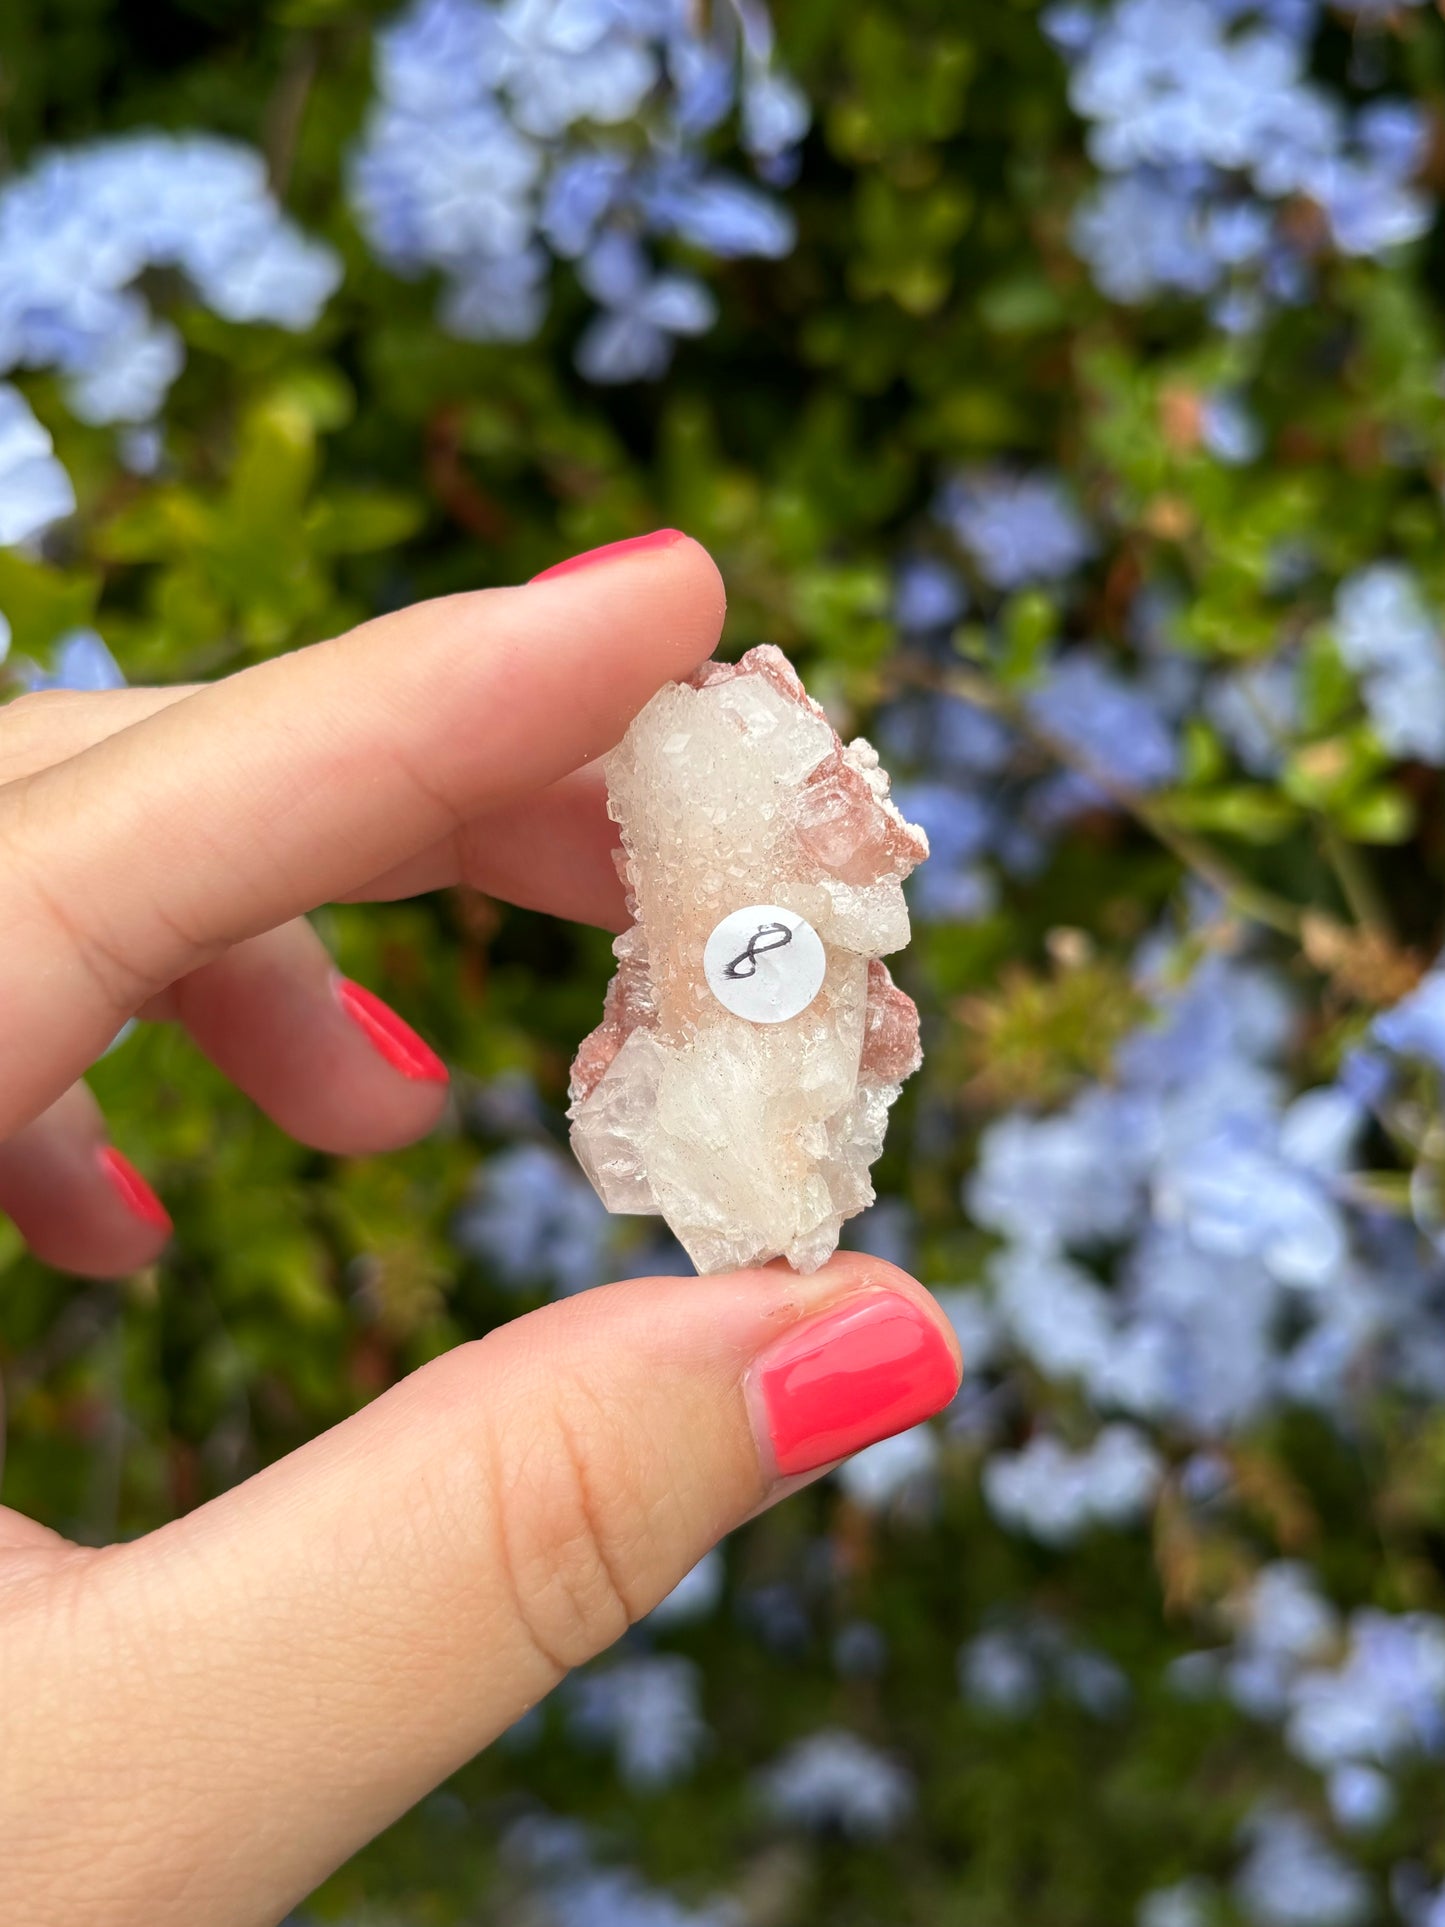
(286, 109)
(1357, 886)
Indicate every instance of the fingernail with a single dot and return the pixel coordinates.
(868, 1368)
(388, 1036)
(633, 545)
(135, 1194)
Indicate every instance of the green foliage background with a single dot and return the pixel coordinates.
(931, 314)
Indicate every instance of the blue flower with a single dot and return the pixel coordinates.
(900, 1468)
(1141, 237)
(927, 595)
(643, 314)
(34, 489)
(583, 189)
(1056, 1496)
(1361, 1797)
(1018, 529)
(836, 1782)
(712, 211)
(1115, 727)
(507, 132)
(999, 1672)
(79, 229)
(1257, 711)
(441, 54)
(1393, 642)
(502, 300)
(1292, 1877)
(1073, 1179)
(947, 735)
(695, 1596)
(1370, 211)
(1395, 134)
(952, 884)
(82, 661)
(1228, 430)
(1385, 1702)
(446, 190)
(130, 376)
(649, 1711)
(1235, 1195)
(1415, 1027)
(1070, 25)
(1188, 1903)
(571, 62)
(1204, 113)
(535, 1219)
(775, 113)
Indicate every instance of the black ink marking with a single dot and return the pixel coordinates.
(780, 936)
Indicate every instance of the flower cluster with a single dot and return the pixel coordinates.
(836, 1782)
(511, 133)
(1244, 1275)
(536, 1221)
(1055, 1494)
(1397, 649)
(1209, 127)
(79, 230)
(34, 488)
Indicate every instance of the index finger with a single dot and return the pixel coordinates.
(296, 782)
(549, 850)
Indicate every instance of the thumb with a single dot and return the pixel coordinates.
(277, 1677)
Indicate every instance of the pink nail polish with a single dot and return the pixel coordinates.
(388, 1035)
(135, 1194)
(632, 545)
(869, 1368)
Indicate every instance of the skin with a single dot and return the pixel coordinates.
(201, 1725)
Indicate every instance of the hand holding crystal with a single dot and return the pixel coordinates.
(202, 1724)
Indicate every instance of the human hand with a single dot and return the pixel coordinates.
(199, 1726)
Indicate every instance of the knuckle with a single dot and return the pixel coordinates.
(37, 705)
(43, 726)
(45, 883)
(35, 898)
(571, 1510)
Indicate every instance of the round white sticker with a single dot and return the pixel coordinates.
(764, 963)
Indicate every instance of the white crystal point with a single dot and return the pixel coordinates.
(752, 1041)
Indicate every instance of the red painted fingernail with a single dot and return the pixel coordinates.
(863, 1371)
(633, 545)
(135, 1193)
(392, 1039)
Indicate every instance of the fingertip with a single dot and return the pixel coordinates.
(605, 553)
(136, 1197)
(668, 578)
(859, 1271)
(389, 1035)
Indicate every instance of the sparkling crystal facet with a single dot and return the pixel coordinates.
(753, 1140)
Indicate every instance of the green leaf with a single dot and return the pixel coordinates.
(1327, 688)
(1323, 775)
(1248, 811)
(41, 603)
(1030, 629)
(845, 611)
(351, 521)
(1204, 758)
(1382, 815)
(1025, 305)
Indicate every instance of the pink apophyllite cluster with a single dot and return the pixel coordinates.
(752, 1040)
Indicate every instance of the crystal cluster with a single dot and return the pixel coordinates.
(741, 811)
